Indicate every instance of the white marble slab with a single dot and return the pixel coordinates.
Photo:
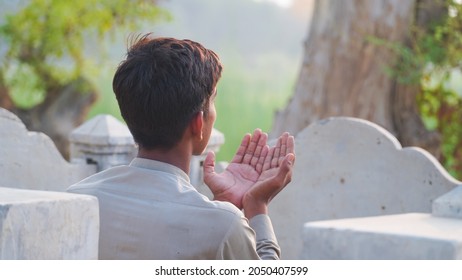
(48, 225)
(417, 236)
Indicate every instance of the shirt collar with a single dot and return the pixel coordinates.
(159, 166)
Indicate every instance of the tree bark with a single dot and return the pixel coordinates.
(343, 72)
(407, 122)
(62, 111)
(5, 99)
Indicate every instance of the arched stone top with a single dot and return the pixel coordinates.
(356, 143)
(30, 160)
(348, 167)
(15, 135)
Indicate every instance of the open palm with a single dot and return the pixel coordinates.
(254, 164)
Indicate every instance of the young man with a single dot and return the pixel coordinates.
(149, 210)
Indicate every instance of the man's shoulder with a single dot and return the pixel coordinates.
(99, 178)
(226, 212)
(226, 207)
(156, 187)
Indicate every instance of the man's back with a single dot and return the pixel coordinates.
(166, 90)
(149, 210)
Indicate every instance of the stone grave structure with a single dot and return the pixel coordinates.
(42, 222)
(37, 221)
(345, 168)
(415, 236)
(47, 225)
(30, 160)
(102, 141)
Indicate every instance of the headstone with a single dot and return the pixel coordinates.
(449, 205)
(347, 167)
(30, 160)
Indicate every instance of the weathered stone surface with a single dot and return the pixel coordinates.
(415, 236)
(48, 225)
(347, 167)
(449, 205)
(30, 160)
(107, 142)
(102, 130)
(103, 141)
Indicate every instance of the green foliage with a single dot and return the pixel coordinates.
(27, 86)
(248, 98)
(441, 109)
(261, 60)
(46, 40)
(441, 48)
(434, 55)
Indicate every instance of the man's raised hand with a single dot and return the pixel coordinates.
(276, 173)
(243, 171)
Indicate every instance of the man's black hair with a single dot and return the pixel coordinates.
(161, 85)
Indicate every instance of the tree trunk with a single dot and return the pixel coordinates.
(64, 109)
(407, 122)
(5, 99)
(342, 73)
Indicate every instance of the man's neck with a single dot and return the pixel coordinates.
(175, 156)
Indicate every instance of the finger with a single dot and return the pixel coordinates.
(276, 153)
(283, 150)
(284, 138)
(258, 150)
(284, 175)
(290, 145)
(285, 169)
(239, 156)
(261, 160)
(268, 157)
(250, 151)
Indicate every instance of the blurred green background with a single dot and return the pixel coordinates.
(260, 44)
(53, 44)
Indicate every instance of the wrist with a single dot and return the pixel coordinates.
(254, 206)
(232, 198)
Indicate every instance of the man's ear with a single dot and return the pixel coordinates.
(197, 123)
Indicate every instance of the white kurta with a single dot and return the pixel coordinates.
(149, 210)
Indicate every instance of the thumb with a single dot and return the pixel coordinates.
(285, 170)
(284, 175)
(209, 164)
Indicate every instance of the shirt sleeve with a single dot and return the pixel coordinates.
(250, 242)
(267, 244)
